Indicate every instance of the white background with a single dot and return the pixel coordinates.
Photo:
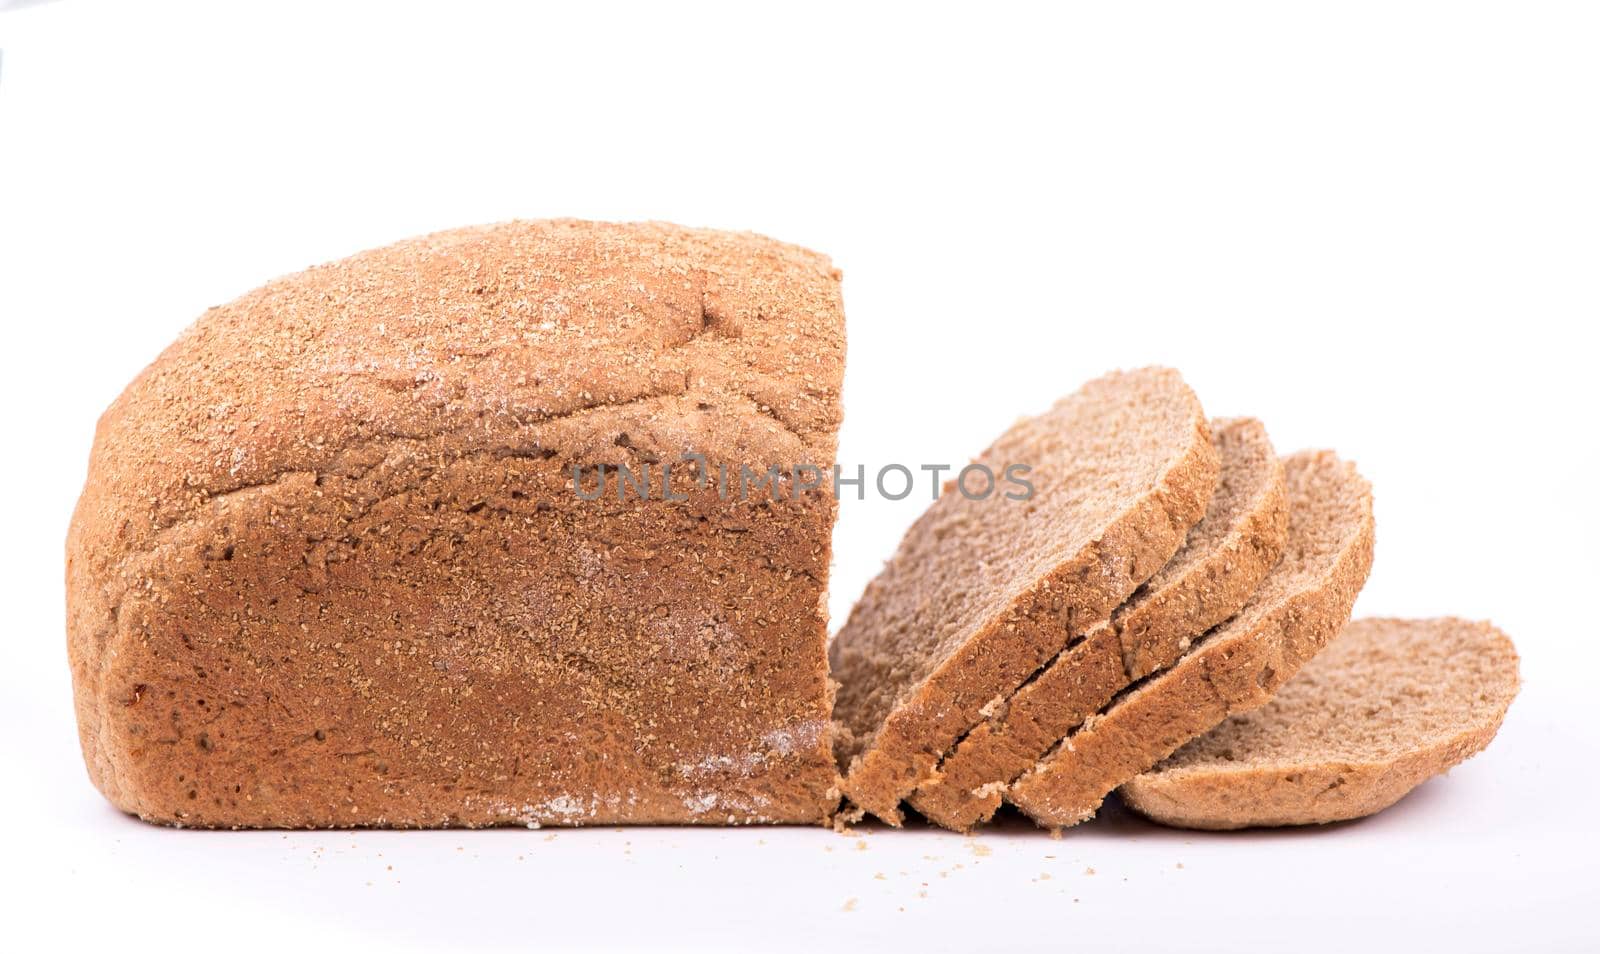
(1375, 226)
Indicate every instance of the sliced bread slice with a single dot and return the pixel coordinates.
(1222, 561)
(1300, 605)
(1389, 704)
(986, 589)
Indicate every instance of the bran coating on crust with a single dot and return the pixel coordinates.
(330, 568)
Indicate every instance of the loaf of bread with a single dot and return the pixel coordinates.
(336, 561)
(1222, 561)
(1389, 704)
(984, 591)
(530, 524)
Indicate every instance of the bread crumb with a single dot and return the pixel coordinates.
(849, 905)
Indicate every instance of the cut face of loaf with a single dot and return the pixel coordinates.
(982, 592)
(1389, 704)
(1223, 559)
(331, 566)
(1300, 605)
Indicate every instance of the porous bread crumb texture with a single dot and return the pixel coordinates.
(329, 567)
(982, 592)
(1223, 559)
(1238, 665)
(1389, 704)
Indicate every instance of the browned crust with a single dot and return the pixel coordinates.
(906, 749)
(304, 578)
(1226, 796)
(1154, 630)
(1230, 671)
(1295, 794)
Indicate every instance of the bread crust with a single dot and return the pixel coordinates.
(329, 567)
(1252, 792)
(1228, 553)
(904, 750)
(1238, 666)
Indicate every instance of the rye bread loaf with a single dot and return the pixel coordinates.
(1223, 560)
(1389, 704)
(331, 566)
(985, 590)
(1301, 604)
